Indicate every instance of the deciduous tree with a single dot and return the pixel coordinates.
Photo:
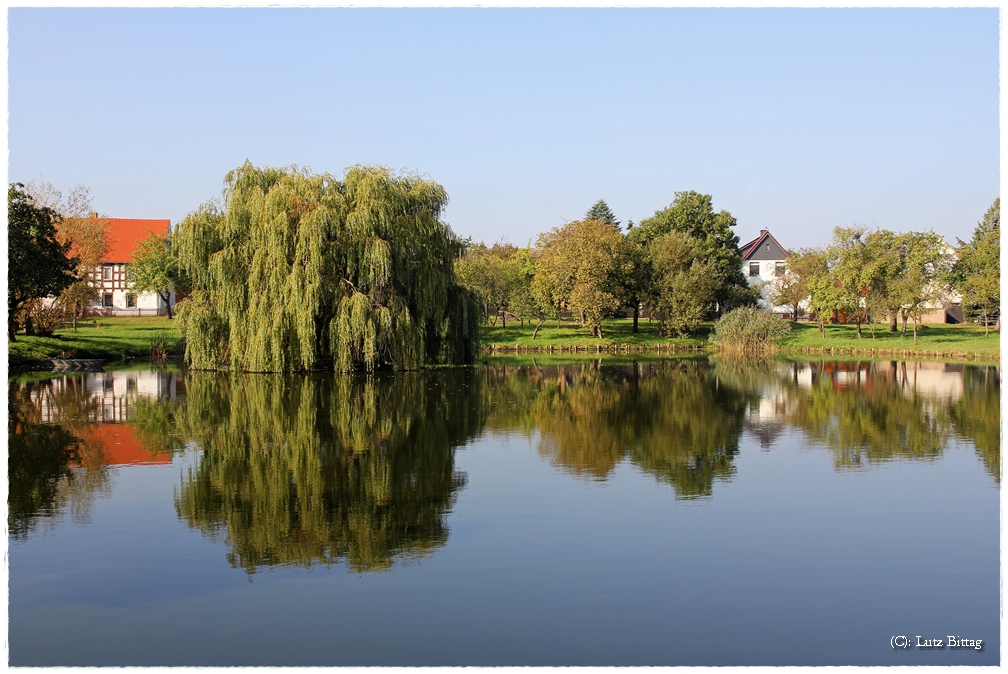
(977, 272)
(38, 265)
(298, 268)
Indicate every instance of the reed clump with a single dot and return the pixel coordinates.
(749, 330)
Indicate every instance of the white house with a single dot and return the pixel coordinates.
(763, 260)
(115, 296)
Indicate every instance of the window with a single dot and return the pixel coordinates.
(754, 269)
(131, 300)
(107, 273)
(107, 300)
(779, 269)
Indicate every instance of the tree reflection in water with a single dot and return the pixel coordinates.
(54, 464)
(669, 418)
(307, 470)
(867, 412)
(976, 416)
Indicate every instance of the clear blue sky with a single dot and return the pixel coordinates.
(796, 120)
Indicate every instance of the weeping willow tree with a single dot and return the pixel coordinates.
(297, 270)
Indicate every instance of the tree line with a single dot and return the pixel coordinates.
(873, 276)
(682, 263)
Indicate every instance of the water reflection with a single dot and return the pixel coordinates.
(670, 418)
(317, 470)
(307, 470)
(64, 434)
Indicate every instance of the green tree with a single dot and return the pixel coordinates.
(155, 269)
(38, 265)
(977, 271)
(851, 269)
(882, 268)
(583, 264)
(791, 287)
(683, 285)
(824, 294)
(693, 214)
(924, 275)
(600, 211)
(297, 269)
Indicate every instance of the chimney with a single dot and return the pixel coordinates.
(762, 232)
(93, 215)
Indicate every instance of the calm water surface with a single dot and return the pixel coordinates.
(674, 512)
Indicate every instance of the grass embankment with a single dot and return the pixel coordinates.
(933, 341)
(962, 340)
(115, 339)
(615, 331)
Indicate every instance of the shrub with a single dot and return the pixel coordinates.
(749, 329)
(46, 317)
(160, 346)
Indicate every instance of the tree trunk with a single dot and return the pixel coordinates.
(822, 328)
(167, 301)
(893, 327)
(915, 330)
(558, 315)
(29, 329)
(986, 327)
(795, 314)
(503, 319)
(636, 315)
(12, 326)
(536, 331)
(904, 324)
(859, 330)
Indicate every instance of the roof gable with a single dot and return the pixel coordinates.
(757, 248)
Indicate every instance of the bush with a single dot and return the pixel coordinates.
(46, 317)
(749, 329)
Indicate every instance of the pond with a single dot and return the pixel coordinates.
(685, 511)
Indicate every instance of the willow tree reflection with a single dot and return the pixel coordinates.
(318, 470)
(669, 418)
(54, 465)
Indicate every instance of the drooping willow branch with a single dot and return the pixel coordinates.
(297, 270)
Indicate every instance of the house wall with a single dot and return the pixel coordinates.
(110, 279)
(767, 275)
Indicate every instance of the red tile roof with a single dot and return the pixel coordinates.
(126, 233)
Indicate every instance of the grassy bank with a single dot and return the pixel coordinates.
(114, 339)
(570, 334)
(964, 338)
(933, 341)
(124, 339)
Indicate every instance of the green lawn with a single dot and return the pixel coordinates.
(961, 338)
(122, 339)
(614, 331)
(115, 339)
